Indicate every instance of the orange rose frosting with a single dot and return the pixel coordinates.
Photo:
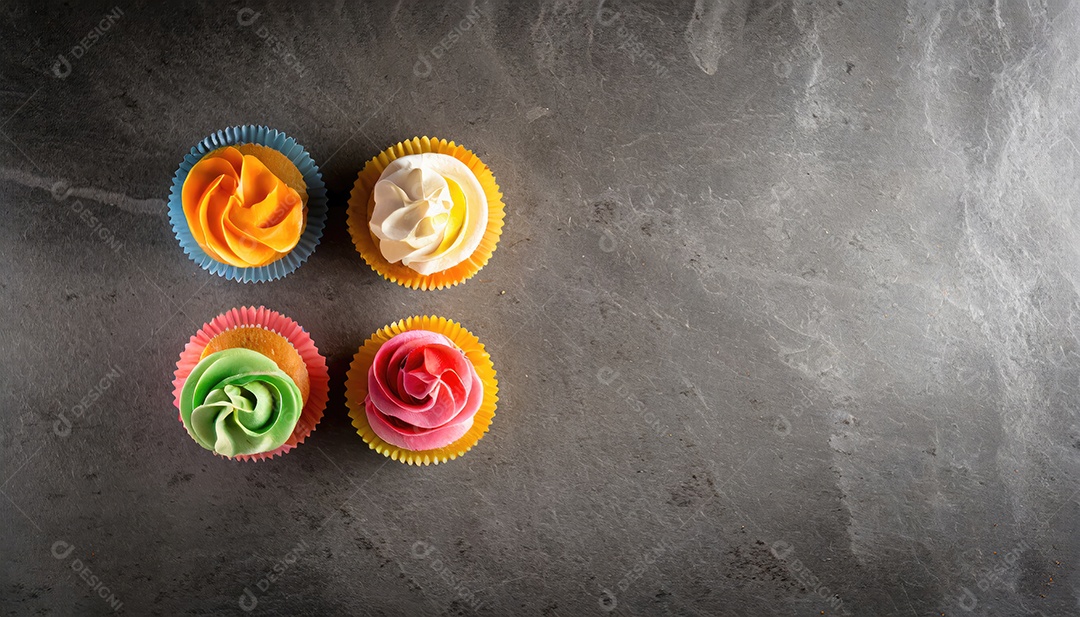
(239, 210)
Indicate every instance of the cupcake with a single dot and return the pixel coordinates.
(422, 391)
(426, 213)
(250, 385)
(248, 203)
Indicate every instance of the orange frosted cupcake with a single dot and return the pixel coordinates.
(248, 203)
(245, 205)
(426, 213)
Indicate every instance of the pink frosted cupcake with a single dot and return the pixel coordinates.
(250, 385)
(422, 391)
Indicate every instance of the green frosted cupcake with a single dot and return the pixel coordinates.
(238, 402)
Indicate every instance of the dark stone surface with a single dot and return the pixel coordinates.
(783, 309)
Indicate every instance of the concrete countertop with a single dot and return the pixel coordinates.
(783, 312)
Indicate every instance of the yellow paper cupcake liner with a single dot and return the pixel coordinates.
(362, 204)
(356, 389)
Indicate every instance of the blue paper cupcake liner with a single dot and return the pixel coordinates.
(316, 205)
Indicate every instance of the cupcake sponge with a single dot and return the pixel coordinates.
(269, 344)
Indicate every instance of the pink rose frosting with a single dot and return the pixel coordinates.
(422, 391)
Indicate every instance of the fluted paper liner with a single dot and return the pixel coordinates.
(356, 389)
(263, 317)
(362, 204)
(316, 204)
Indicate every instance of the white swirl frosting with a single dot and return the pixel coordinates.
(430, 212)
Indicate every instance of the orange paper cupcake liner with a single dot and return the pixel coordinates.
(318, 375)
(362, 204)
(356, 389)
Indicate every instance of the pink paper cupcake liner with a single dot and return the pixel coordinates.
(275, 322)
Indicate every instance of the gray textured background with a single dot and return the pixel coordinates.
(788, 322)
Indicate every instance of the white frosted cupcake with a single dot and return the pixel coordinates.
(426, 214)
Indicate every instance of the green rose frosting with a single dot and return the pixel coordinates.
(237, 401)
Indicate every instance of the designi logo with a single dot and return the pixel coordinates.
(61, 68)
(61, 549)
